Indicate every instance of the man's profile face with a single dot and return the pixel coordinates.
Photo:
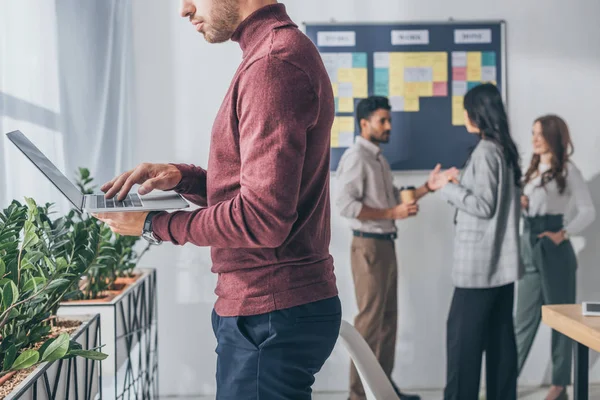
(378, 126)
(215, 19)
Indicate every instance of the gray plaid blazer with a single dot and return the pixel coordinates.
(488, 208)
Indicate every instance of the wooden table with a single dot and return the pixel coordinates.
(585, 331)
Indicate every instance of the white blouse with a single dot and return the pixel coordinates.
(547, 200)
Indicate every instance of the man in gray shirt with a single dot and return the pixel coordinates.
(368, 197)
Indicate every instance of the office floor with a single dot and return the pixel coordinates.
(524, 394)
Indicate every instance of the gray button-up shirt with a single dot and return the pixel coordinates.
(365, 178)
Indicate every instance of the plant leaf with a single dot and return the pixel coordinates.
(57, 349)
(27, 359)
(9, 357)
(31, 238)
(89, 354)
(57, 283)
(2, 268)
(10, 294)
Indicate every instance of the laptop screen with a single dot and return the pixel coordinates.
(47, 168)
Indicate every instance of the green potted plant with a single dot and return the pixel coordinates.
(35, 277)
(125, 298)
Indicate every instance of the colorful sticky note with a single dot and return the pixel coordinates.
(418, 74)
(346, 124)
(440, 71)
(346, 139)
(440, 57)
(459, 88)
(397, 103)
(397, 86)
(335, 133)
(345, 74)
(425, 89)
(488, 59)
(344, 60)
(381, 60)
(488, 74)
(474, 59)
(359, 60)
(382, 81)
(346, 105)
(411, 104)
(459, 73)
(474, 73)
(471, 85)
(458, 113)
(459, 59)
(345, 89)
(440, 89)
(359, 82)
(334, 87)
(412, 89)
(335, 139)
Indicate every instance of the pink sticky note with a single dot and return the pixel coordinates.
(440, 88)
(459, 73)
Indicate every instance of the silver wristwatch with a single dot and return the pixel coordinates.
(147, 230)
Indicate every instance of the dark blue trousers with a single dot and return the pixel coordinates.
(275, 356)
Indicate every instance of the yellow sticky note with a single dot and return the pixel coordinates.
(334, 86)
(440, 57)
(474, 59)
(335, 133)
(411, 104)
(474, 73)
(396, 59)
(335, 139)
(425, 89)
(411, 60)
(412, 89)
(345, 74)
(346, 105)
(396, 85)
(458, 111)
(359, 82)
(346, 124)
(440, 71)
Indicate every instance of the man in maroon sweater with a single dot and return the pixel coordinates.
(264, 204)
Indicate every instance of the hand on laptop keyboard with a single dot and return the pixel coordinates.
(149, 176)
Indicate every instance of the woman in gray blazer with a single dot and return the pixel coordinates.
(486, 254)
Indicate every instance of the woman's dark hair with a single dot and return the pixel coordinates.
(486, 111)
(556, 133)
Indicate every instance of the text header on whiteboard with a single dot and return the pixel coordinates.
(336, 39)
(472, 36)
(410, 37)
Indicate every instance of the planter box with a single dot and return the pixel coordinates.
(74, 378)
(130, 336)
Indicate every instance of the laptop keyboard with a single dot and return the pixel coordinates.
(132, 200)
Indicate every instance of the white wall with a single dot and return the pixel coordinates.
(553, 66)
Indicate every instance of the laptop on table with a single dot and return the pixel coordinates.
(94, 203)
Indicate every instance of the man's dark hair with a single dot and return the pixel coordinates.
(366, 107)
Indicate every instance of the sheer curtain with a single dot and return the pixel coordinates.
(65, 81)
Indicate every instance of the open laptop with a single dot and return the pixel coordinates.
(94, 203)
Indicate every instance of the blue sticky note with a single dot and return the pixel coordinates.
(488, 59)
(471, 85)
(337, 104)
(382, 82)
(359, 60)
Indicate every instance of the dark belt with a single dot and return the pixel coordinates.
(380, 236)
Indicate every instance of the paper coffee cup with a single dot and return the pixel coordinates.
(407, 194)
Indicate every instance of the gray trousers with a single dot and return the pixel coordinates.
(549, 279)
